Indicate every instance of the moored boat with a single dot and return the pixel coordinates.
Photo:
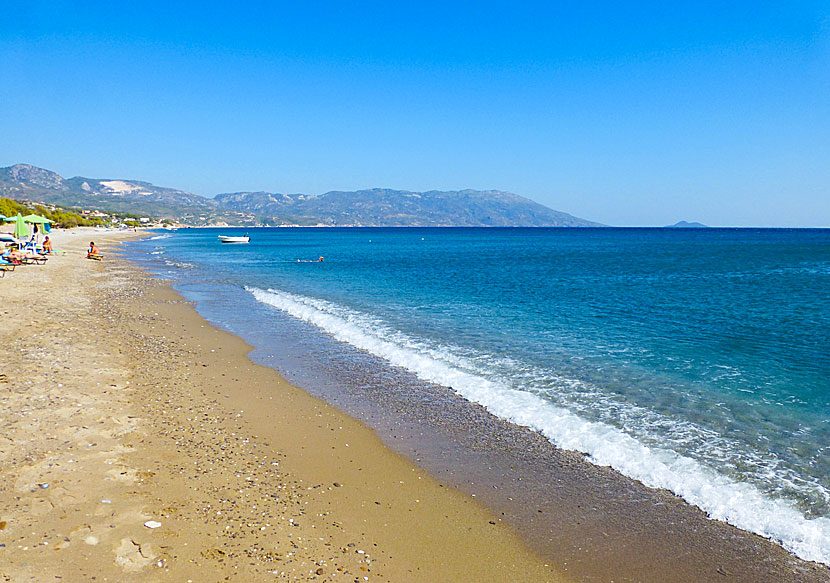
(227, 239)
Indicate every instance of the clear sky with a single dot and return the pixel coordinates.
(620, 112)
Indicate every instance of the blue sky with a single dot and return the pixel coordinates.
(624, 113)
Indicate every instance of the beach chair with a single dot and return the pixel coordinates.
(33, 258)
(9, 260)
(6, 266)
(25, 259)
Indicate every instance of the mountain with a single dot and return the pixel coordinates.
(397, 208)
(687, 225)
(26, 182)
(374, 207)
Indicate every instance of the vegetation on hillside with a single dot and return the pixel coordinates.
(63, 218)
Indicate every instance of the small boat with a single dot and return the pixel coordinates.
(226, 239)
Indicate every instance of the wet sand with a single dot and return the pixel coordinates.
(592, 522)
(140, 444)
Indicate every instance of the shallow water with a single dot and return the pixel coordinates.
(693, 360)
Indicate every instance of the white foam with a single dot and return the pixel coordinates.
(179, 264)
(738, 503)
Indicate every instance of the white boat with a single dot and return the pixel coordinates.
(226, 239)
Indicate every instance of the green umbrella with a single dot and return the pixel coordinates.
(21, 231)
(37, 219)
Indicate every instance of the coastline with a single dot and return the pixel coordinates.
(183, 397)
(123, 406)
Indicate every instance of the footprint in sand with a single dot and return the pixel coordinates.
(41, 506)
(84, 532)
(133, 556)
(122, 474)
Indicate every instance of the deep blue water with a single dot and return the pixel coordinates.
(695, 360)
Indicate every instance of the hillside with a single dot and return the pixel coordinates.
(397, 208)
(26, 182)
(374, 207)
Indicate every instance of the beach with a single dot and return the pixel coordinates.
(141, 443)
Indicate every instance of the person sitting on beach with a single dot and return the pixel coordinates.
(47, 245)
(93, 252)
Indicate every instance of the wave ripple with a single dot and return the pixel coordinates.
(737, 503)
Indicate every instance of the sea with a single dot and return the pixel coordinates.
(695, 360)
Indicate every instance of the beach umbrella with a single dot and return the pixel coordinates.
(21, 231)
(37, 219)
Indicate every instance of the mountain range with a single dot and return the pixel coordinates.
(380, 207)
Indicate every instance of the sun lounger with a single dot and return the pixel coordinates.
(10, 260)
(6, 266)
(25, 259)
(29, 258)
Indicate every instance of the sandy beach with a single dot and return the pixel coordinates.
(140, 444)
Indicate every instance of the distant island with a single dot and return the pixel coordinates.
(377, 207)
(687, 225)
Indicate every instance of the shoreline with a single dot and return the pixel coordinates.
(163, 418)
(595, 525)
(597, 522)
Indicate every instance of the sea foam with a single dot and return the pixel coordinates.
(723, 498)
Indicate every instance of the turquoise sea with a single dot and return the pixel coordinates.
(692, 360)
